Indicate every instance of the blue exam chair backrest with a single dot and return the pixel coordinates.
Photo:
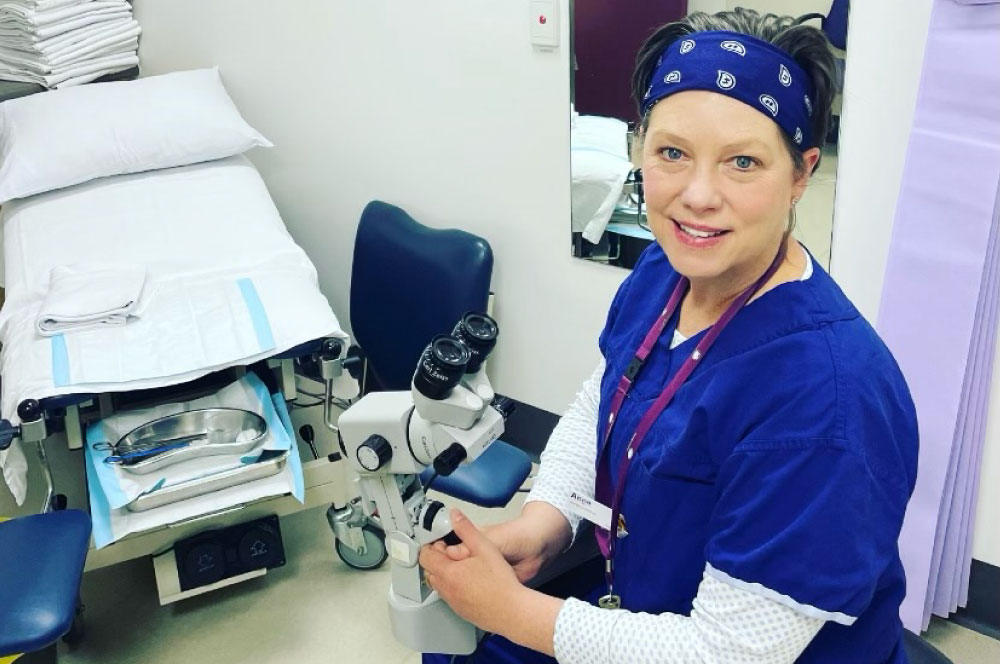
(408, 284)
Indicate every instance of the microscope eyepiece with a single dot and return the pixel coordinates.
(441, 366)
(478, 332)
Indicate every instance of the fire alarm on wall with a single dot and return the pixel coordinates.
(545, 24)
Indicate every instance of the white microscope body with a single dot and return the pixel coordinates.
(389, 438)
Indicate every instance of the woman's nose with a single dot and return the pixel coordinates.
(701, 193)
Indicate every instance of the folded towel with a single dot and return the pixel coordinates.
(33, 63)
(31, 18)
(15, 37)
(74, 74)
(97, 33)
(43, 5)
(14, 30)
(83, 297)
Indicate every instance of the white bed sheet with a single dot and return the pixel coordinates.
(600, 166)
(211, 223)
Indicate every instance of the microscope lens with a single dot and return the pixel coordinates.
(440, 367)
(478, 332)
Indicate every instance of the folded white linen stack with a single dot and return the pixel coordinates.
(85, 297)
(59, 43)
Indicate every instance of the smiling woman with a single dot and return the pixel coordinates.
(797, 96)
(747, 446)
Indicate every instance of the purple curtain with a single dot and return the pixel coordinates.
(940, 296)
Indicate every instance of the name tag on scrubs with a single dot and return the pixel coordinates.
(591, 510)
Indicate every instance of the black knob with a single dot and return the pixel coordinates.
(309, 435)
(446, 462)
(374, 453)
(355, 362)
(505, 406)
(29, 410)
(331, 350)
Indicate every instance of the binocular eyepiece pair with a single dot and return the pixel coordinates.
(448, 357)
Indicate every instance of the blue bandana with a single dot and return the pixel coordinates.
(745, 68)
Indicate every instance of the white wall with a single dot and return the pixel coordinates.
(444, 108)
(441, 107)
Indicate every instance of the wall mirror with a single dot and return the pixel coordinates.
(608, 221)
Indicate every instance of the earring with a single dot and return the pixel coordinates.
(792, 217)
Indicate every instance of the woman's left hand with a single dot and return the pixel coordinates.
(482, 587)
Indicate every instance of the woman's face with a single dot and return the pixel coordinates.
(719, 183)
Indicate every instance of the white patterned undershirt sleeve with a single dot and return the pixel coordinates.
(727, 625)
(567, 463)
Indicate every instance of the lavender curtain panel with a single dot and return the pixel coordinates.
(940, 296)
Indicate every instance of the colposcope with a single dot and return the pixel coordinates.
(449, 416)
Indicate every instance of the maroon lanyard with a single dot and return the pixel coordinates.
(605, 539)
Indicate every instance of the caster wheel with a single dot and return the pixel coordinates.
(374, 556)
(74, 636)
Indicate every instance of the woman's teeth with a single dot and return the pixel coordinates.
(696, 233)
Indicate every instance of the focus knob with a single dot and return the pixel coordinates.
(374, 453)
(331, 350)
(29, 410)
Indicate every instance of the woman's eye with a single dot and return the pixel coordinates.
(744, 162)
(673, 154)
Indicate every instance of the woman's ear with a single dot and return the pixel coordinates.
(809, 159)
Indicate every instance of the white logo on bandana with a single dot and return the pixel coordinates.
(725, 80)
(672, 77)
(687, 46)
(809, 105)
(734, 47)
(798, 136)
(785, 76)
(770, 103)
(649, 91)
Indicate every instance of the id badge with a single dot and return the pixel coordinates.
(591, 510)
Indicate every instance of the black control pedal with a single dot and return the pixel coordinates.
(215, 555)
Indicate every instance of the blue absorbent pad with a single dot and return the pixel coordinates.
(112, 488)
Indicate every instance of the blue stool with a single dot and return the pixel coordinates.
(409, 283)
(42, 558)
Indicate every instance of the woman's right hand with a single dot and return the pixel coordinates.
(527, 542)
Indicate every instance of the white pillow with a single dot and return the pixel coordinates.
(64, 137)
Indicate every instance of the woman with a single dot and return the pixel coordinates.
(747, 432)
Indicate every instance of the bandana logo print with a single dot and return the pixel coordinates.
(770, 103)
(672, 77)
(687, 46)
(798, 136)
(725, 80)
(785, 76)
(809, 105)
(649, 91)
(734, 47)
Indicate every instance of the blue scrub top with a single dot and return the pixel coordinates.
(785, 462)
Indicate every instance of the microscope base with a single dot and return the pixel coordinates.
(431, 626)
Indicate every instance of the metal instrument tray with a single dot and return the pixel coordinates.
(271, 463)
(189, 435)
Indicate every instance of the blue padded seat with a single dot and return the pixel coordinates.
(41, 564)
(482, 481)
(409, 283)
